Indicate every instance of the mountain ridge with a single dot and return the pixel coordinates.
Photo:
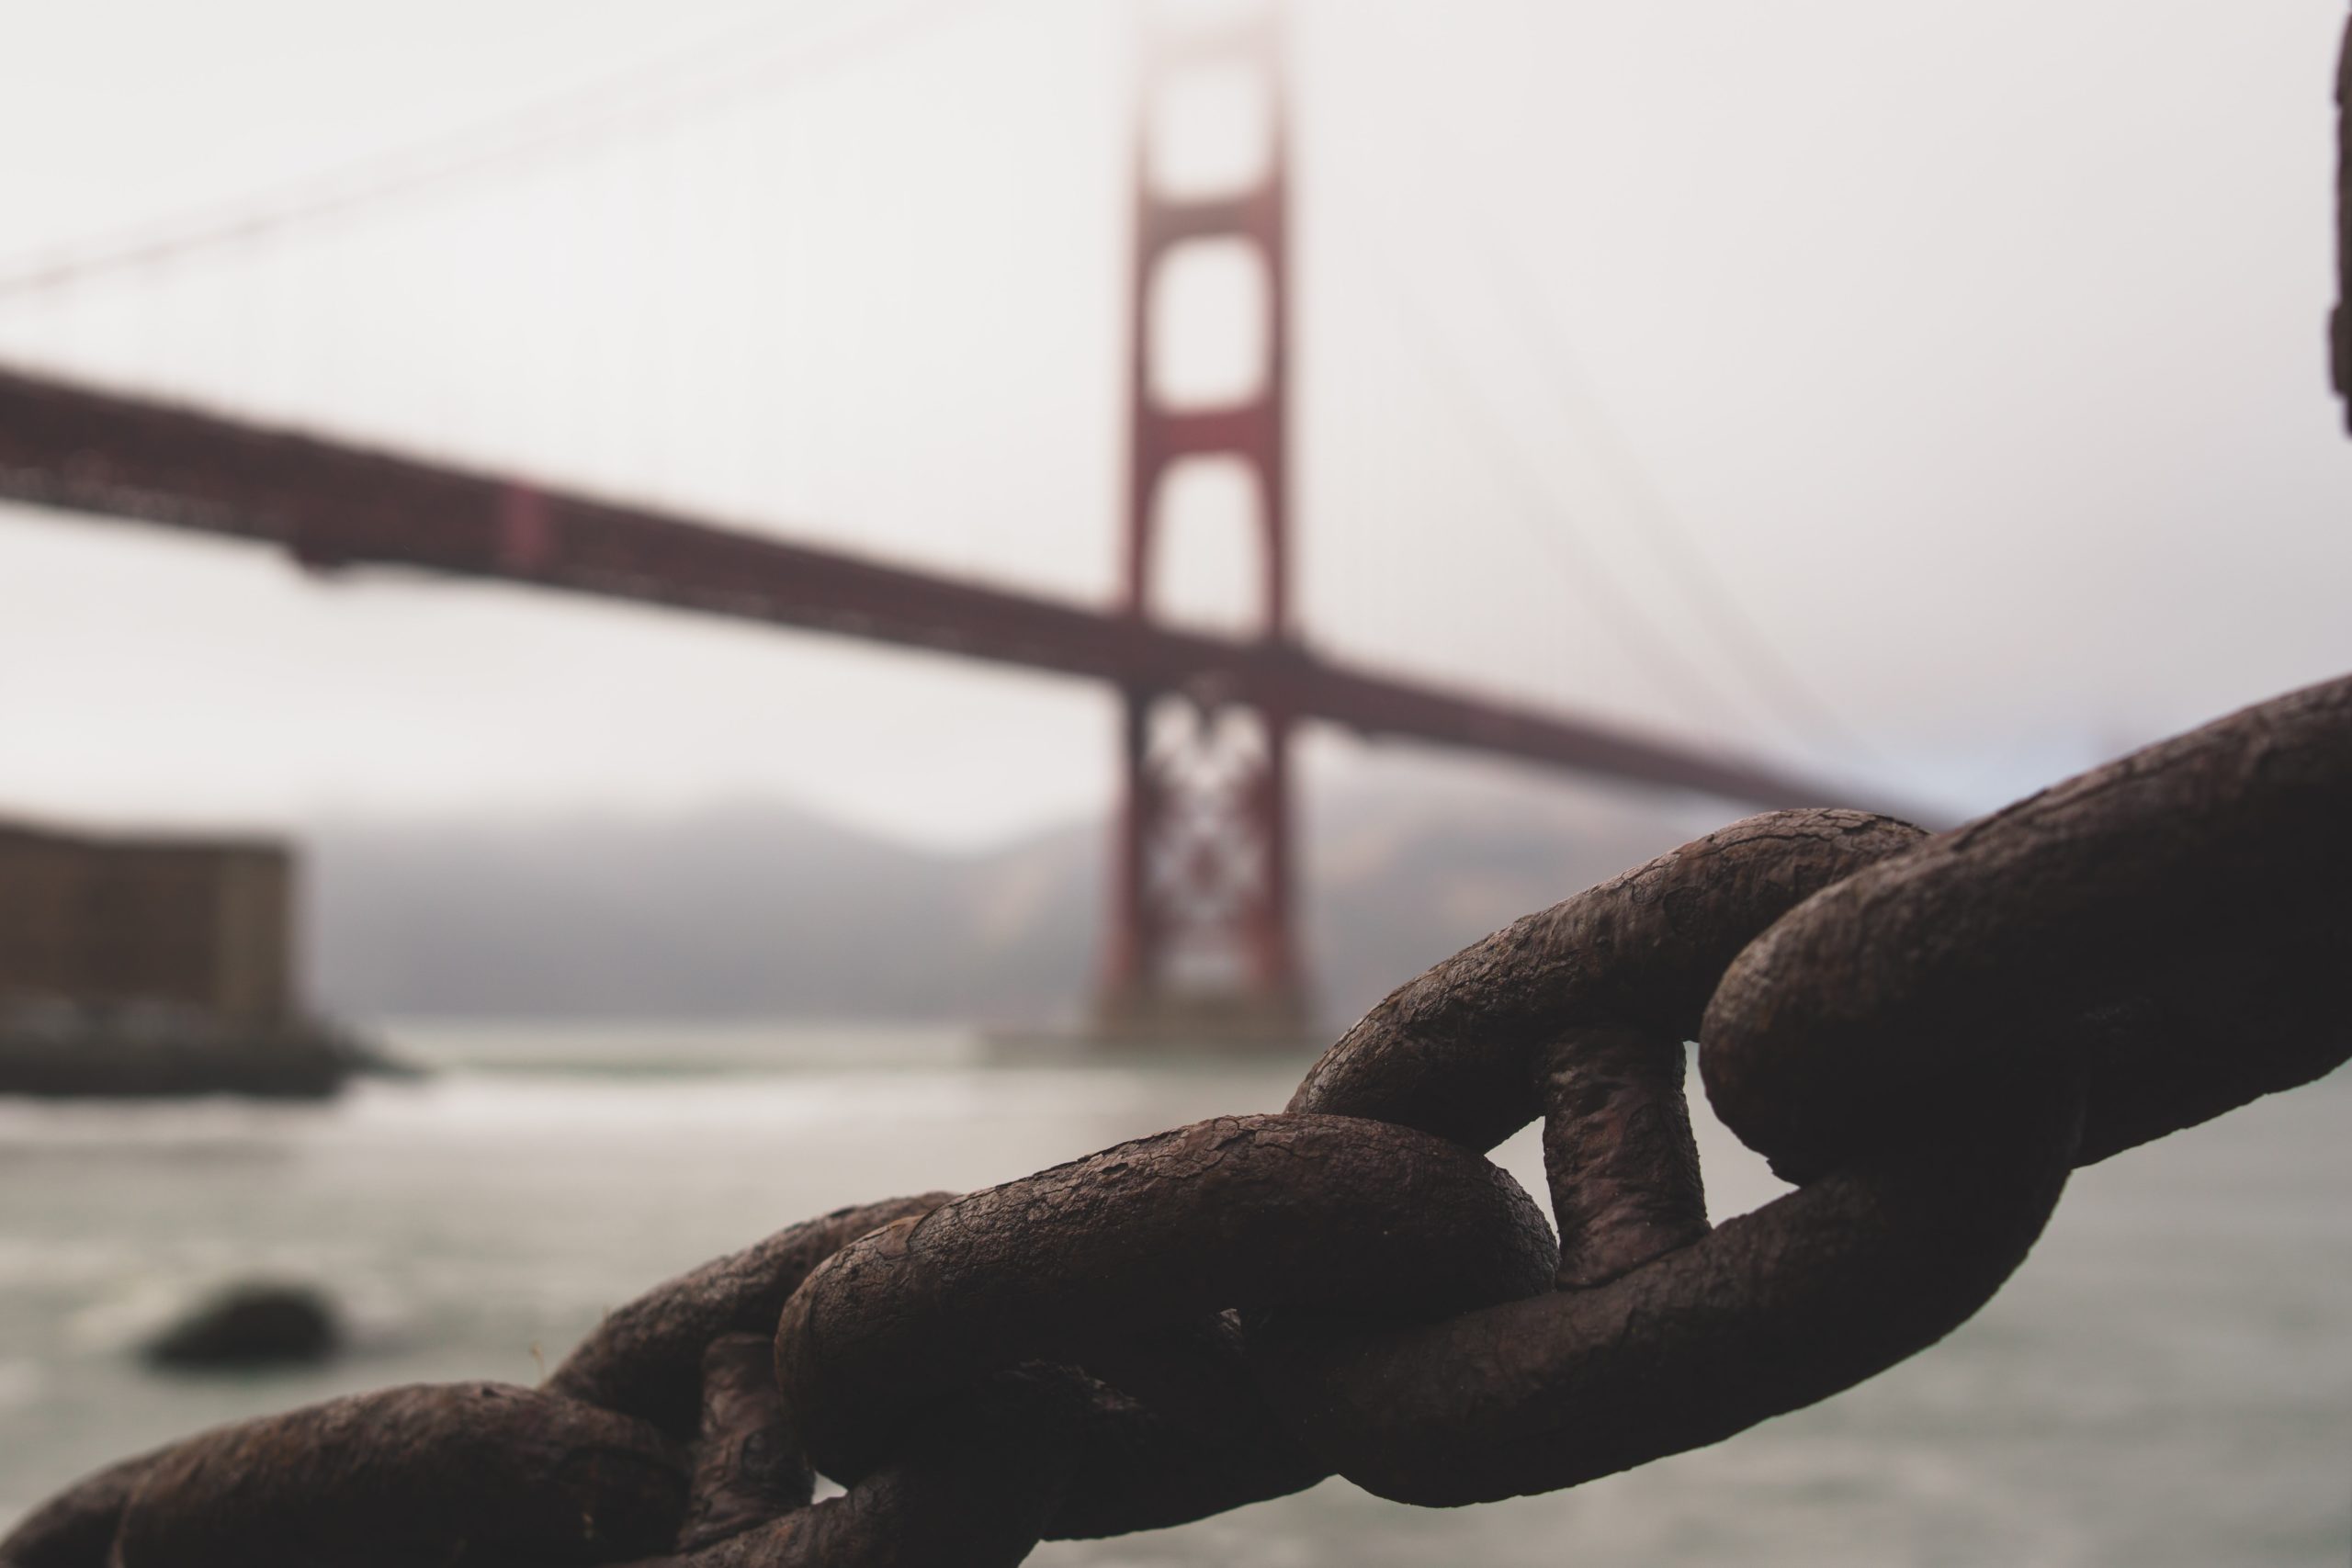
(764, 909)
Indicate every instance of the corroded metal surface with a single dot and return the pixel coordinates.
(1080, 1262)
(1457, 1051)
(1577, 1014)
(645, 1358)
(748, 1464)
(1930, 1032)
(1771, 1311)
(411, 1478)
(1991, 941)
(76, 1528)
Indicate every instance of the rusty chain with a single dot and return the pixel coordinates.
(1926, 1032)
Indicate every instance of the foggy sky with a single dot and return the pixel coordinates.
(1976, 352)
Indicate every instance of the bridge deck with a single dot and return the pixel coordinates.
(334, 504)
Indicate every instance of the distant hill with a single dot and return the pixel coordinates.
(762, 910)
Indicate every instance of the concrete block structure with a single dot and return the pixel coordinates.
(196, 925)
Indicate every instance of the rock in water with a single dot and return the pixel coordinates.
(250, 1325)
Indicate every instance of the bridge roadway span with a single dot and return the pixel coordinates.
(333, 504)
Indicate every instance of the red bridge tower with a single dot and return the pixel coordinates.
(1202, 944)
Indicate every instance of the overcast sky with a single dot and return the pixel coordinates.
(1976, 352)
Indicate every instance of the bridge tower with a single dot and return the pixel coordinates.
(1203, 942)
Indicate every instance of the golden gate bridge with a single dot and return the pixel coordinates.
(1201, 934)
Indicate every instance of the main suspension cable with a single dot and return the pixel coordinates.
(675, 90)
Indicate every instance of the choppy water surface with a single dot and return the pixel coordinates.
(2168, 1380)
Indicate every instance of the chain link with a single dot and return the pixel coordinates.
(1926, 1032)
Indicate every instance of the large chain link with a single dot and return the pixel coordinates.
(1926, 1032)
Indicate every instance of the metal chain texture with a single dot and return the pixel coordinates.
(1925, 1032)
